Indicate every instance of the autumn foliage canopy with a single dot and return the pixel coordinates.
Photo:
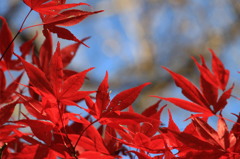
(111, 129)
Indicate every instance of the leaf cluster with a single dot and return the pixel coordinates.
(111, 129)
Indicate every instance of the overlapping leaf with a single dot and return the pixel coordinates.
(5, 40)
(55, 130)
(53, 15)
(7, 92)
(41, 129)
(55, 87)
(105, 108)
(38, 79)
(210, 83)
(49, 7)
(6, 112)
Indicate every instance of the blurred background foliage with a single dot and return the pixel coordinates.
(132, 39)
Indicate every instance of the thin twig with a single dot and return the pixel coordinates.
(2, 149)
(19, 31)
(71, 148)
(84, 132)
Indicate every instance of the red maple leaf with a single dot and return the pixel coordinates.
(201, 100)
(107, 110)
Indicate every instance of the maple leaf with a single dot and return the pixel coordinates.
(34, 107)
(56, 71)
(49, 7)
(125, 98)
(189, 90)
(5, 40)
(52, 16)
(199, 139)
(209, 90)
(211, 82)
(52, 85)
(105, 108)
(45, 52)
(90, 139)
(2, 81)
(201, 101)
(150, 126)
(208, 133)
(66, 18)
(6, 112)
(38, 79)
(58, 133)
(7, 93)
(140, 155)
(141, 136)
(41, 129)
(222, 101)
(72, 84)
(6, 132)
(94, 154)
(7, 47)
(110, 141)
(102, 97)
(166, 132)
(140, 141)
(69, 52)
(219, 71)
(29, 151)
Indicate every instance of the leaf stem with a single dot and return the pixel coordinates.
(84, 132)
(71, 148)
(19, 116)
(2, 149)
(19, 31)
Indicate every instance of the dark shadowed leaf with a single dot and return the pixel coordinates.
(208, 133)
(6, 112)
(5, 40)
(2, 81)
(34, 107)
(140, 155)
(191, 141)
(41, 129)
